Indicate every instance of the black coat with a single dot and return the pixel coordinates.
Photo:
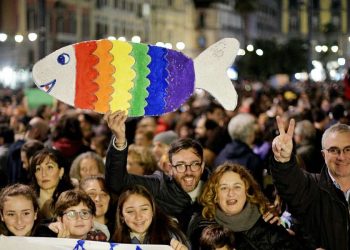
(169, 196)
(261, 236)
(316, 202)
(239, 152)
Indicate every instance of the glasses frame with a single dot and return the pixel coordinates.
(338, 151)
(81, 214)
(191, 166)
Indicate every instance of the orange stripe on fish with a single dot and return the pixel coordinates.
(85, 75)
(105, 77)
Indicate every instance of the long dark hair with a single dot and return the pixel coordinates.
(162, 227)
(64, 184)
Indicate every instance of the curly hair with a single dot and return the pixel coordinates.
(210, 193)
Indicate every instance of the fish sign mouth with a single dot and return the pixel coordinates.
(48, 86)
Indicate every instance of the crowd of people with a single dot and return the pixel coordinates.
(273, 174)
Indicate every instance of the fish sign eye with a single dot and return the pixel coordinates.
(63, 59)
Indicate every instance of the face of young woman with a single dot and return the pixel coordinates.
(231, 193)
(19, 215)
(48, 174)
(75, 222)
(88, 167)
(137, 213)
(100, 197)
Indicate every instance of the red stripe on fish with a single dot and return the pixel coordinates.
(86, 74)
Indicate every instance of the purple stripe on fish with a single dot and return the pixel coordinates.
(180, 80)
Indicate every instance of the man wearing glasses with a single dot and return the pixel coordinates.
(319, 201)
(175, 194)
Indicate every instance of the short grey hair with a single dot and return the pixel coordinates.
(241, 127)
(75, 167)
(306, 130)
(336, 128)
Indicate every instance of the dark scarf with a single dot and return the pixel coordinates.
(243, 221)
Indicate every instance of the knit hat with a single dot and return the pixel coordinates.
(166, 137)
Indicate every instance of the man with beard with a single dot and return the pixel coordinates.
(175, 194)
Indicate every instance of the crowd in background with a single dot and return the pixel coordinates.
(64, 167)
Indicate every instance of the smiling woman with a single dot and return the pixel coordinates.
(233, 199)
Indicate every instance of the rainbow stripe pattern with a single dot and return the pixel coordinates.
(138, 78)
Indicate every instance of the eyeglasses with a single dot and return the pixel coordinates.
(73, 215)
(182, 167)
(335, 151)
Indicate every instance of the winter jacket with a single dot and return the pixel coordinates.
(261, 236)
(169, 196)
(316, 202)
(239, 152)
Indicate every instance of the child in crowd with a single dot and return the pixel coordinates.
(18, 210)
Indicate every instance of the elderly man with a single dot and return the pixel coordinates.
(319, 201)
(241, 129)
(175, 194)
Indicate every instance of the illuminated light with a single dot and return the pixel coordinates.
(122, 38)
(232, 73)
(341, 61)
(259, 52)
(318, 48)
(3, 37)
(334, 48)
(160, 44)
(136, 39)
(301, 76)
(32, 37)
(241, 52)
(250, 47)
(8, 77)
(168, 45)
(19, 38)
(112, 38)
(180, 45)
(324, 48)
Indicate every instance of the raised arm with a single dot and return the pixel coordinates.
(117, 176)
(295, 187)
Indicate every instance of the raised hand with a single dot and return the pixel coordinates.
(177, 245)
(59, 228)
(116, 122)
(282, 145)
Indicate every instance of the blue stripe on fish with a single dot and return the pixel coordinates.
(158, 83)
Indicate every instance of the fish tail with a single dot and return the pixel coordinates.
(210, 71)
(105, 77)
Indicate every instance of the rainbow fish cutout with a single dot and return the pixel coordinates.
(144, 80)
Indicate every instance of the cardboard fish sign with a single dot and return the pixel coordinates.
(144, 80)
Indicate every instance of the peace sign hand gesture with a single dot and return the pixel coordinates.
(282, 145)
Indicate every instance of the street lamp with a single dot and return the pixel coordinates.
(32, 36)
(3, 37)
(19, 38)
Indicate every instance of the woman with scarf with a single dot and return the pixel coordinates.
(233, 199)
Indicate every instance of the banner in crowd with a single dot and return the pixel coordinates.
(42, 243)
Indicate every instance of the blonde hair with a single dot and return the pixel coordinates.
(210, 193)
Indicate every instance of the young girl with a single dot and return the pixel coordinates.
(18, 210)
(139, 221)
